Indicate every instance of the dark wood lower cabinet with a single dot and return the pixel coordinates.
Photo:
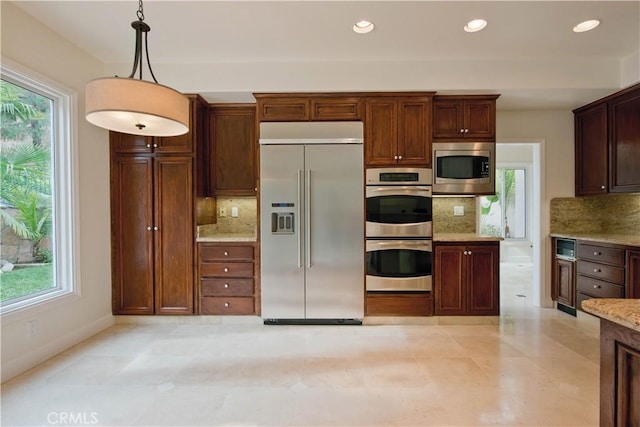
(619, 375)
(467, 278)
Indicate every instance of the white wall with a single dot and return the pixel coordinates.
(553, 132)
(30, 44)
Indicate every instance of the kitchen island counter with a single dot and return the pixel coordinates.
(623, 311)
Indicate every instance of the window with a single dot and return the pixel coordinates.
(37, 185)
(504, 214)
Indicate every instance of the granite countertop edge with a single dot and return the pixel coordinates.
(622, 311)
(464, 237)
(227, 237)
(617, 239)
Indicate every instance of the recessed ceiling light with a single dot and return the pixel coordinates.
(586, 26)
(363, 27)
(475, 25)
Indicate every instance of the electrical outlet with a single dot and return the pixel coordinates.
(234, 212)
(458, 210)
(32, 328)
(222, 212)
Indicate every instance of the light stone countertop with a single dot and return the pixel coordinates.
(617, 239)
(464, 237)
(227, 237)
(624, 312)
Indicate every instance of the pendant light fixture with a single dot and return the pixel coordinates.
(137, 106)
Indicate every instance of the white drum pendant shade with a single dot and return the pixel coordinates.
(137, 107)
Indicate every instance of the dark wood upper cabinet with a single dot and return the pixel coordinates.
(234, 149)
(591, 150)
(398, 131)
(464, 117)
(624, 143)
(607, 144)
(282, 107)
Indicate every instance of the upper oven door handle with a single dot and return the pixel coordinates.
(418, 190)
(415, 245)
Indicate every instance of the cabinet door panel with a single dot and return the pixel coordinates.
(381, 129)
(591, 151)
(633, 274)
(234, 150)
(127, 143)
(480, 120)
(174, 237)
(132, 242)
(564, 279)
(336, 109)
(449, 287)
(414, 133)
(447, 119)
(624, 171)
(283, 110)
(483, 280)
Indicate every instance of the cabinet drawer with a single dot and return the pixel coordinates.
(398, 304)
(227, 305)
(226, 269)
(226, 287)
(601, 271)
(226, 253)
(601, 254)
(598, 288)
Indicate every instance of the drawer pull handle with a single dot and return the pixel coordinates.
(596, 270)
(226, 270)
(596, 286)
(226, 286)
(226, 253)
(597, 253)
(226, 304)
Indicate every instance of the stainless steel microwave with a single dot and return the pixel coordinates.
(464, 168)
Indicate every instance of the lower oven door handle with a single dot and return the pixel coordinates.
(416, 245)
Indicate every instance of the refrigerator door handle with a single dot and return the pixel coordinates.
(299, 231)
(308, 218)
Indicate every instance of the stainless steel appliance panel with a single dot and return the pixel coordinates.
(334, 250)
(282, 276)
(314, 268)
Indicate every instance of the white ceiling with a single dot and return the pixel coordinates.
(190, 34)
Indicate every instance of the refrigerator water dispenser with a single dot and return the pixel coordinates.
(282, 223)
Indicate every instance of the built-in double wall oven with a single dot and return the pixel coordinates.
(399, 229)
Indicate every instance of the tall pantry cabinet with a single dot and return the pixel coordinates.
(152, 220)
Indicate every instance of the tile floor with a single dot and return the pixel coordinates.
(537, 367)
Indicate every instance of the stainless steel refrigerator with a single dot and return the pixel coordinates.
(312, 221)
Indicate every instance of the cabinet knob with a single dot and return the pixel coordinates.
(395, 157)
(466, 131)
(155, 145)
(149, 228)
(596, 286)
(226, 253)
(603, 187)
(148, 145)
(461, 130)
(596, 270)
(400, 157)
(155, 228)
(226, 286)
(597, 253)
(226, 304)
(226, 270)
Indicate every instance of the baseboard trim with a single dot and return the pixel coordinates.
(13, 368)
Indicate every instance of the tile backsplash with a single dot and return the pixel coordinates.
(445, 222)
(244, 223)
(608, 214)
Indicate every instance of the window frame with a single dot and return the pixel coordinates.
(66, 268)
